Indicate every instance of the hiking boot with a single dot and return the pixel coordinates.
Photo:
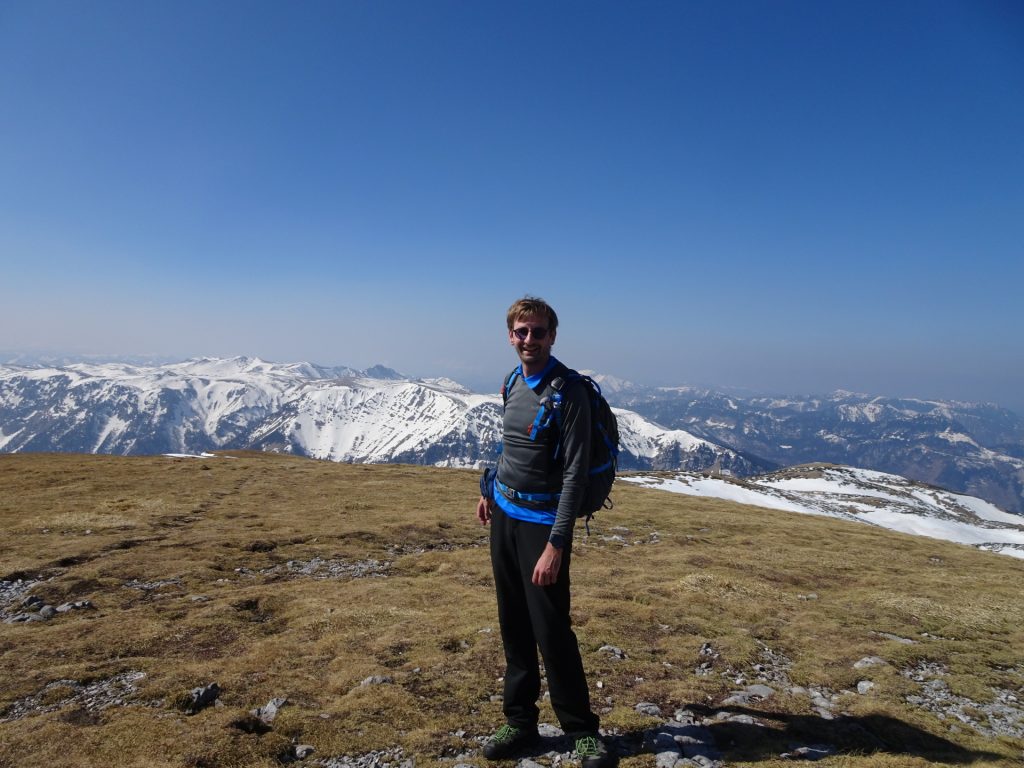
(508, 741)
(593, 753)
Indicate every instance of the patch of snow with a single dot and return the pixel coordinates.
(719, 489)
(948, 530)
(987, 511)
(956, 437)
(5, 439)
(203, 455)
(902, 505)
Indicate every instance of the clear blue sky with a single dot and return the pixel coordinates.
(781, 196)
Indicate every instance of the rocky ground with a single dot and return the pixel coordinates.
(683, 739)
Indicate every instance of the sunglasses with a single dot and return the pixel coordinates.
(539, 334)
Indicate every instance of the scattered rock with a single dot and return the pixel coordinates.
(200, 698)
(377, 680)
(709, 656)
(12, 593)
(1003, 716)
(549, 731)
(118, 690)
(812, 752)
(864, 686)
(738, 699)
(684, 716)
(78, 605)
(611, 650)
(320, 568)
(761, 691)
(740, 718)
(869, 661)
(383, 758)
(648, 708)
(151, 586)
(268, 712)
(895, 638)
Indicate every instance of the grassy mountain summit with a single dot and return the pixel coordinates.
(362, 595)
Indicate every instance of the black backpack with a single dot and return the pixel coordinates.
(604, 435)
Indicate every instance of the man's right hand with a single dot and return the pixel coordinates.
(483, 510)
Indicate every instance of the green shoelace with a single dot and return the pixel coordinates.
(587, 747)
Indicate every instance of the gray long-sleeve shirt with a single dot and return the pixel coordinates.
(530, 466)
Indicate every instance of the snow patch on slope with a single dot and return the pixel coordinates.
(888, 501)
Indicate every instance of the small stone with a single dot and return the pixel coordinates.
(548, 731)
(684, 716)
(377, 680)
(268, 712)
(704, 761)
(896, 638)
(302, 751)
(78, 605)
(761, 691)
(869, 661)
(739, 699)
(47, 611)
(611, 650)
(813, 752)
(864, 686)
(744, 719)
(202, 697)
(648, 708)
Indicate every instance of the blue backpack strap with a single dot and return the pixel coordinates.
(507, 386)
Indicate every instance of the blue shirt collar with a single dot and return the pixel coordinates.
(534, 381)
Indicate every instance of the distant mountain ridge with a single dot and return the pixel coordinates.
(379, 415)
(339, 414)
(972, 448)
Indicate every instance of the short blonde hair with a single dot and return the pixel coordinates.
(532, 305)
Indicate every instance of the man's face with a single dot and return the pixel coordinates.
(525, 336)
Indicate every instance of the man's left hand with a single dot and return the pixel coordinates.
(545, 572)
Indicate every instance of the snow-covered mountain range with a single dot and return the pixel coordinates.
(339, 414)
(379, 416)
(973, 448)
(878, 498)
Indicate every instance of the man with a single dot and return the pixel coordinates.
(532, 507)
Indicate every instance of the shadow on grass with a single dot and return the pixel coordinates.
(849, 735)
(730, 741)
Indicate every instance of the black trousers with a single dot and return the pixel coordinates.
(532, 616)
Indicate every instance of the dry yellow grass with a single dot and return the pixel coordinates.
(187, 564)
